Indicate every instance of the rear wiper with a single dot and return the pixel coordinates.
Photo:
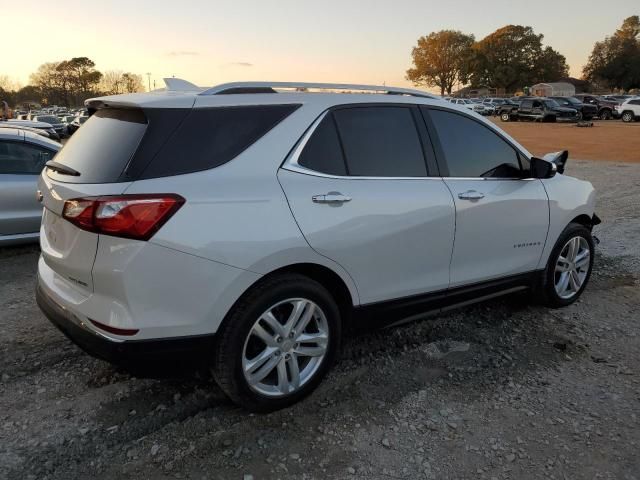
(61, 169)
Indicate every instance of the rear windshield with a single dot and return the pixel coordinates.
(119, 145)
(102, 148)
(47, 119)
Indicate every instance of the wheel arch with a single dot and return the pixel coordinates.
(584, 219)
(339, 289)
(325, 277)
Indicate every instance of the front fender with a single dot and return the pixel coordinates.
(569, 198)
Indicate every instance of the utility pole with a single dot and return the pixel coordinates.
(149, 79)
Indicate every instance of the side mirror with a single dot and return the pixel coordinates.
(542, 168)
(559, 159)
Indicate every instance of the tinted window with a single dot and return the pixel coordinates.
(634, 102)
(526, 104)
(381, 141)
(21, 158)
(323, 152)
(116, 145)
(210, 137)
(102, 148)
(473, 150)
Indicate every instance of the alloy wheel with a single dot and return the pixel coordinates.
(285, 347)
(627, 117)
(572, 267)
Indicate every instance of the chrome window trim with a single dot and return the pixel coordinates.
(291, 162)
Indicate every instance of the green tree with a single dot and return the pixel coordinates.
(441, 59)
(512, 57)
(552, 66)
(615, 61)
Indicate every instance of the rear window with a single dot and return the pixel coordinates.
(117, 145)
(101, 150)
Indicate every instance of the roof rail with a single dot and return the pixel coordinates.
(268, 87)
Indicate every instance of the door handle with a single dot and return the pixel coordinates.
(331, 197)
(471, 195)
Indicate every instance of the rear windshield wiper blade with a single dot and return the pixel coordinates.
(61, 169)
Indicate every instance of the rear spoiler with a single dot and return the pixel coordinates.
(177, 94)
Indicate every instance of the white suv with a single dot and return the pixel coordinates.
(253, 222)
(629, 110)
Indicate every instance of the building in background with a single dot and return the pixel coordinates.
(556, 89)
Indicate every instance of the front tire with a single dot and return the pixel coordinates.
(505, 117)
(277, 343)
(569, 267)
(628, 117)
(605, 114)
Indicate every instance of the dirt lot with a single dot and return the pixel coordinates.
(501, 390)
(612, 139)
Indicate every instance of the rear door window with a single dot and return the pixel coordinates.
(22, 158)
(381, 141)
(101, 150)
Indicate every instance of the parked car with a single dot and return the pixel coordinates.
(54, 121)
(629, 110)
(617, 98)
(606, 108)
(498, 104)
(66, 121)
(45, 133)
(539, 109)
(23, 154)
(33, 124)
(75, 125)
(586, 111)
(254, 227)
(494, 101)
(466, 103)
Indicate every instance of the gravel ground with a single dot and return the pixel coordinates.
(501, 390)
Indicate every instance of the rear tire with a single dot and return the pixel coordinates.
(249, 343)
(505, 117)
(568, 269)
(605, 114)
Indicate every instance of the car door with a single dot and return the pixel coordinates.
(526, 109)
(20, 165)
(359, 188)
(502, 215)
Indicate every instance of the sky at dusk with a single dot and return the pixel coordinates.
(216, 41)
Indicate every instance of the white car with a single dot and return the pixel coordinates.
(253, 222)
(629, 110)
(476, 107)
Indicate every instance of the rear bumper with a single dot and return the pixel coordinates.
(120, 352)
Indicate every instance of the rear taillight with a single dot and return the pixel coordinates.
(128, 216)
